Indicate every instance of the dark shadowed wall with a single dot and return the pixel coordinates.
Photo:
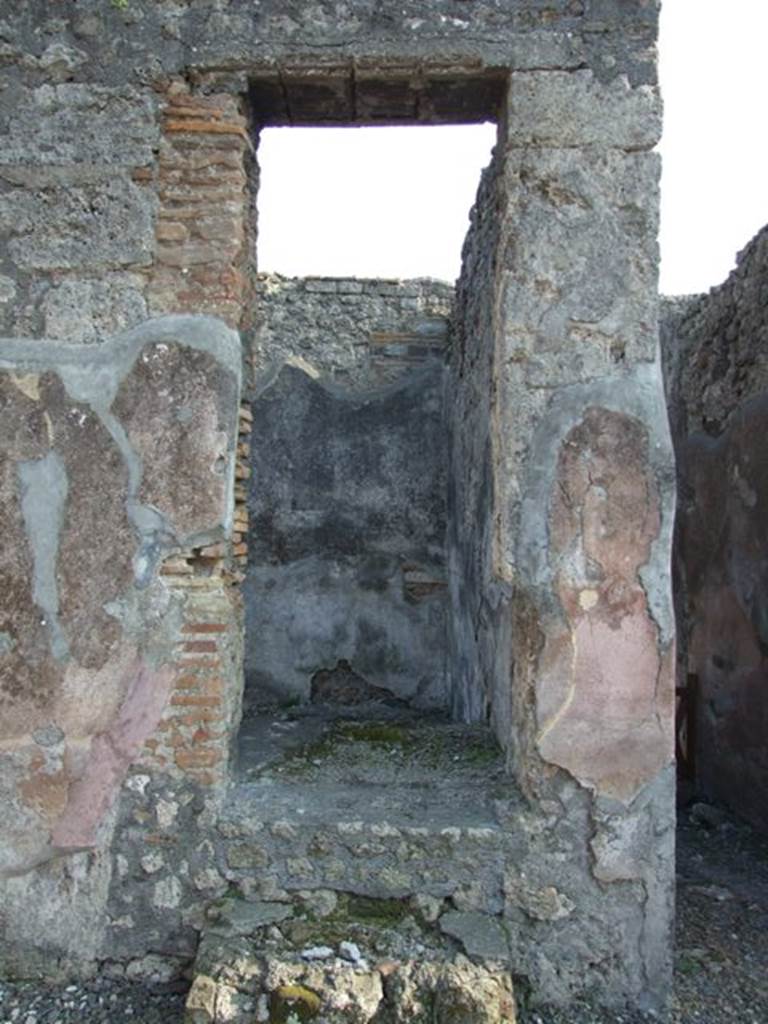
(717, 368)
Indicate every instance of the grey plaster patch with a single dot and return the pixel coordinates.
(7, 289)
(7, 643)
(479, 934)
(93, 374)
(155, 534)
(44, 489)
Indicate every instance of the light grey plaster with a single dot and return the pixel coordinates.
(43, 499)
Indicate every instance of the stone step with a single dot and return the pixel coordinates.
(350, 961)
(401, 832)
(383, 807)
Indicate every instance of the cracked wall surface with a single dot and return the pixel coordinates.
(98, 490)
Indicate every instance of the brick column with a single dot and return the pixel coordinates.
(200, 242)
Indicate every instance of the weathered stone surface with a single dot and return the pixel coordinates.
(187, 464)
(80, 124)
(347, 497)
(91, 310)
(456, 992)
(355, 333)
(721, 554)
(135, 192)
(479, 934)
(7, 289)
(717, 378)
(95, 648)
(527, 34)
(237, 984)
(574, 108)
(545, 904)
(237, 917)
(541, 346)
(597, 311)
(715, 353)
(479, 646)
(84, 228)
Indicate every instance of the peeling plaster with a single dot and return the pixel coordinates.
(110, 755)
(154, 533)
(93, 375)
(639, 394)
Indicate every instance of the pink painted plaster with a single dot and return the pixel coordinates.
(111, 753)
(605, 706)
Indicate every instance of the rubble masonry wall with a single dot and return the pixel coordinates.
(715, 355)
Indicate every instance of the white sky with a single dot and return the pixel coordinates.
(714, 187)
(393, 202)
(368, 202)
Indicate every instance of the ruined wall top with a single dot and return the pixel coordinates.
(714, 345)
(357, 334)
(134, 40)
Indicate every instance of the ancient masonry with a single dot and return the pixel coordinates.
(716, 366)
(336, 634)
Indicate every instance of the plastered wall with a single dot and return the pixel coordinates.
(348, 487)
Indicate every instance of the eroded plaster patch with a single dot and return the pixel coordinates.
(606, 681)
(110, 755)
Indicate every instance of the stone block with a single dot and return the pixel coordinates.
(79, 123)
(480, 934)
(579, 293)
(92, 309)
(324, 286)
(237, 984)
(104, 225)
(573, 108)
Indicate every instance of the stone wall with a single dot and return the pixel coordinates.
(717, 381)
(356, 334)
(347, 501)
(133, 196)
(569, 567)
(106, 493)
(478, 639)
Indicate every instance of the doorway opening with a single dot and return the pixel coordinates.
(347, 592)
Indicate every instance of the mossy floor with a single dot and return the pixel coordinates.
(316, 742)
(388, 756)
